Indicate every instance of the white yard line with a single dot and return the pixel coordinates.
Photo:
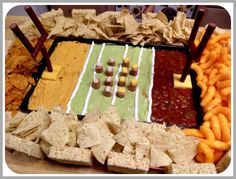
(80, 78)
(137, 90)
(90, 88)
(150, 88)
(117, 77)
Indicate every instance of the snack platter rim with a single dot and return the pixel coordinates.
(196, 89)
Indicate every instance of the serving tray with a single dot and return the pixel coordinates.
(196, 89)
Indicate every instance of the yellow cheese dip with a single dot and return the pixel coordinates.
(70, 56)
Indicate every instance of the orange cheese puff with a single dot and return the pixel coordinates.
(208, 70)
(207, 132)
(211, 60)
(225, 91)
(223, 36)
(212, 104)
(213, 73)
(207, 124)
(224, 126)
(212, 112)
(203, 88)
(223, 42)
(215, 126)
(223, 54)
(216, 144)
(198, 70)
(218, 77)
(205, 79)
(209, 95)
(223, 84)
(217, 95)
(200, 157)
(212, 47)
(227, 62)
(225, 71)
(207, 151)
(218, 154)
(229, 102)
(225, 111)
(193, 132)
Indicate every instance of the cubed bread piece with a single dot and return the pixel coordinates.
(196, 168)
(126, 163)
(22, 145)
(71, 155)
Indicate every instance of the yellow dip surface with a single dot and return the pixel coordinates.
(70, 56)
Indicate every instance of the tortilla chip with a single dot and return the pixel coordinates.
(131, 25)
(128, 148)
(48, 18)
(69, 23)
(19, 81)
(57, 134)
(162, 17)
(121, 137)
(159, 158)
(72, 139)
(101, 33)
(112, 119)
(92, 116)
(56, 116)
(14, 122)
(142, 149)
(32, 121)
(102, 150)
(45, 147)
(8, 118)
(88, 136)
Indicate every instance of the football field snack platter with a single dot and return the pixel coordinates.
(114, 84)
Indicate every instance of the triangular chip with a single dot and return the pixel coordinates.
(88, 136)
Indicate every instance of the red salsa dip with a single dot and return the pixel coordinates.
(171, 105)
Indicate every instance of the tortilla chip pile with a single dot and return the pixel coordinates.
(19, 67)
(63, 138)
(120, 26)
(214, 79)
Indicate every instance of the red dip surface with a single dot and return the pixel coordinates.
(171, 105)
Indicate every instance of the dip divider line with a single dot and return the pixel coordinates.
(137, 90)
(84, 111)
(80, 78)
(151, 86)
(117, 76)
